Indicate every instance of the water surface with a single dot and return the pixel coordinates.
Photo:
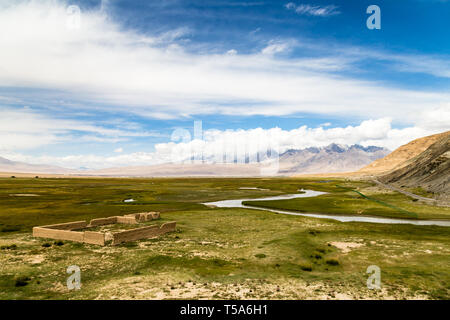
(311, 193)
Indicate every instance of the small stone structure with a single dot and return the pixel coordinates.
(74, 231)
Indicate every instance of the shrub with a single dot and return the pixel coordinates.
(59, 243)
(46, 245)
(306, 267)
(260, 255)
(10, 247)
(332, 262)
(10, 229)
(131, 244)
(22, 281)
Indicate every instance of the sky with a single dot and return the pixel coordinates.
(95, 84)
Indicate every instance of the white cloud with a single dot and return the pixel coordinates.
(435, 119)
(156, 77)
(25, 128)
(245, 143)
(434, 65)
(307, 9)
(118, 150)
(275, 47)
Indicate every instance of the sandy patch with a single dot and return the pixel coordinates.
(36, 259)
(201, 254)
(346, 247)
(24, 195)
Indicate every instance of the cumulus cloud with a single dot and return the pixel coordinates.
(241, 145)
(307, 9)
(436, 118)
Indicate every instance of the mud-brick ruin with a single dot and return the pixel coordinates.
(76, 231)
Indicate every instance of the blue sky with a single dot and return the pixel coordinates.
(111, 90)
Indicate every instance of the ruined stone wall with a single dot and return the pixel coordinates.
(58, 234)
(127, 220)
(155, 215)
(144, 217)
(67, 226)
(77, 236)
(142, 233)
(94, 238)
(65, 231)
(102, 221)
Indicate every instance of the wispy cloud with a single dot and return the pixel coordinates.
(311, 10)
(275, 47)
(23, 129)
(103, 64)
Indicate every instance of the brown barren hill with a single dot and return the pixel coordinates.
(403, 155)
(429, 170)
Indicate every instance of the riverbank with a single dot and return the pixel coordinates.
(268, 205)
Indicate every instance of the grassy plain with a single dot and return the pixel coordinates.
(219, 253)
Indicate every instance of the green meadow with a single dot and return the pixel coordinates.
(222, 253)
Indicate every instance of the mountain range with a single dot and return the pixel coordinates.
(22, 167)
(333, 158)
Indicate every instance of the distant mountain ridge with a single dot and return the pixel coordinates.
(22, 167)
(332, 158)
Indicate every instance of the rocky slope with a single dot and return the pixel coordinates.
(429, 170)
(401, 156)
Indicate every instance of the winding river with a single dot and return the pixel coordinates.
(311, 193)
